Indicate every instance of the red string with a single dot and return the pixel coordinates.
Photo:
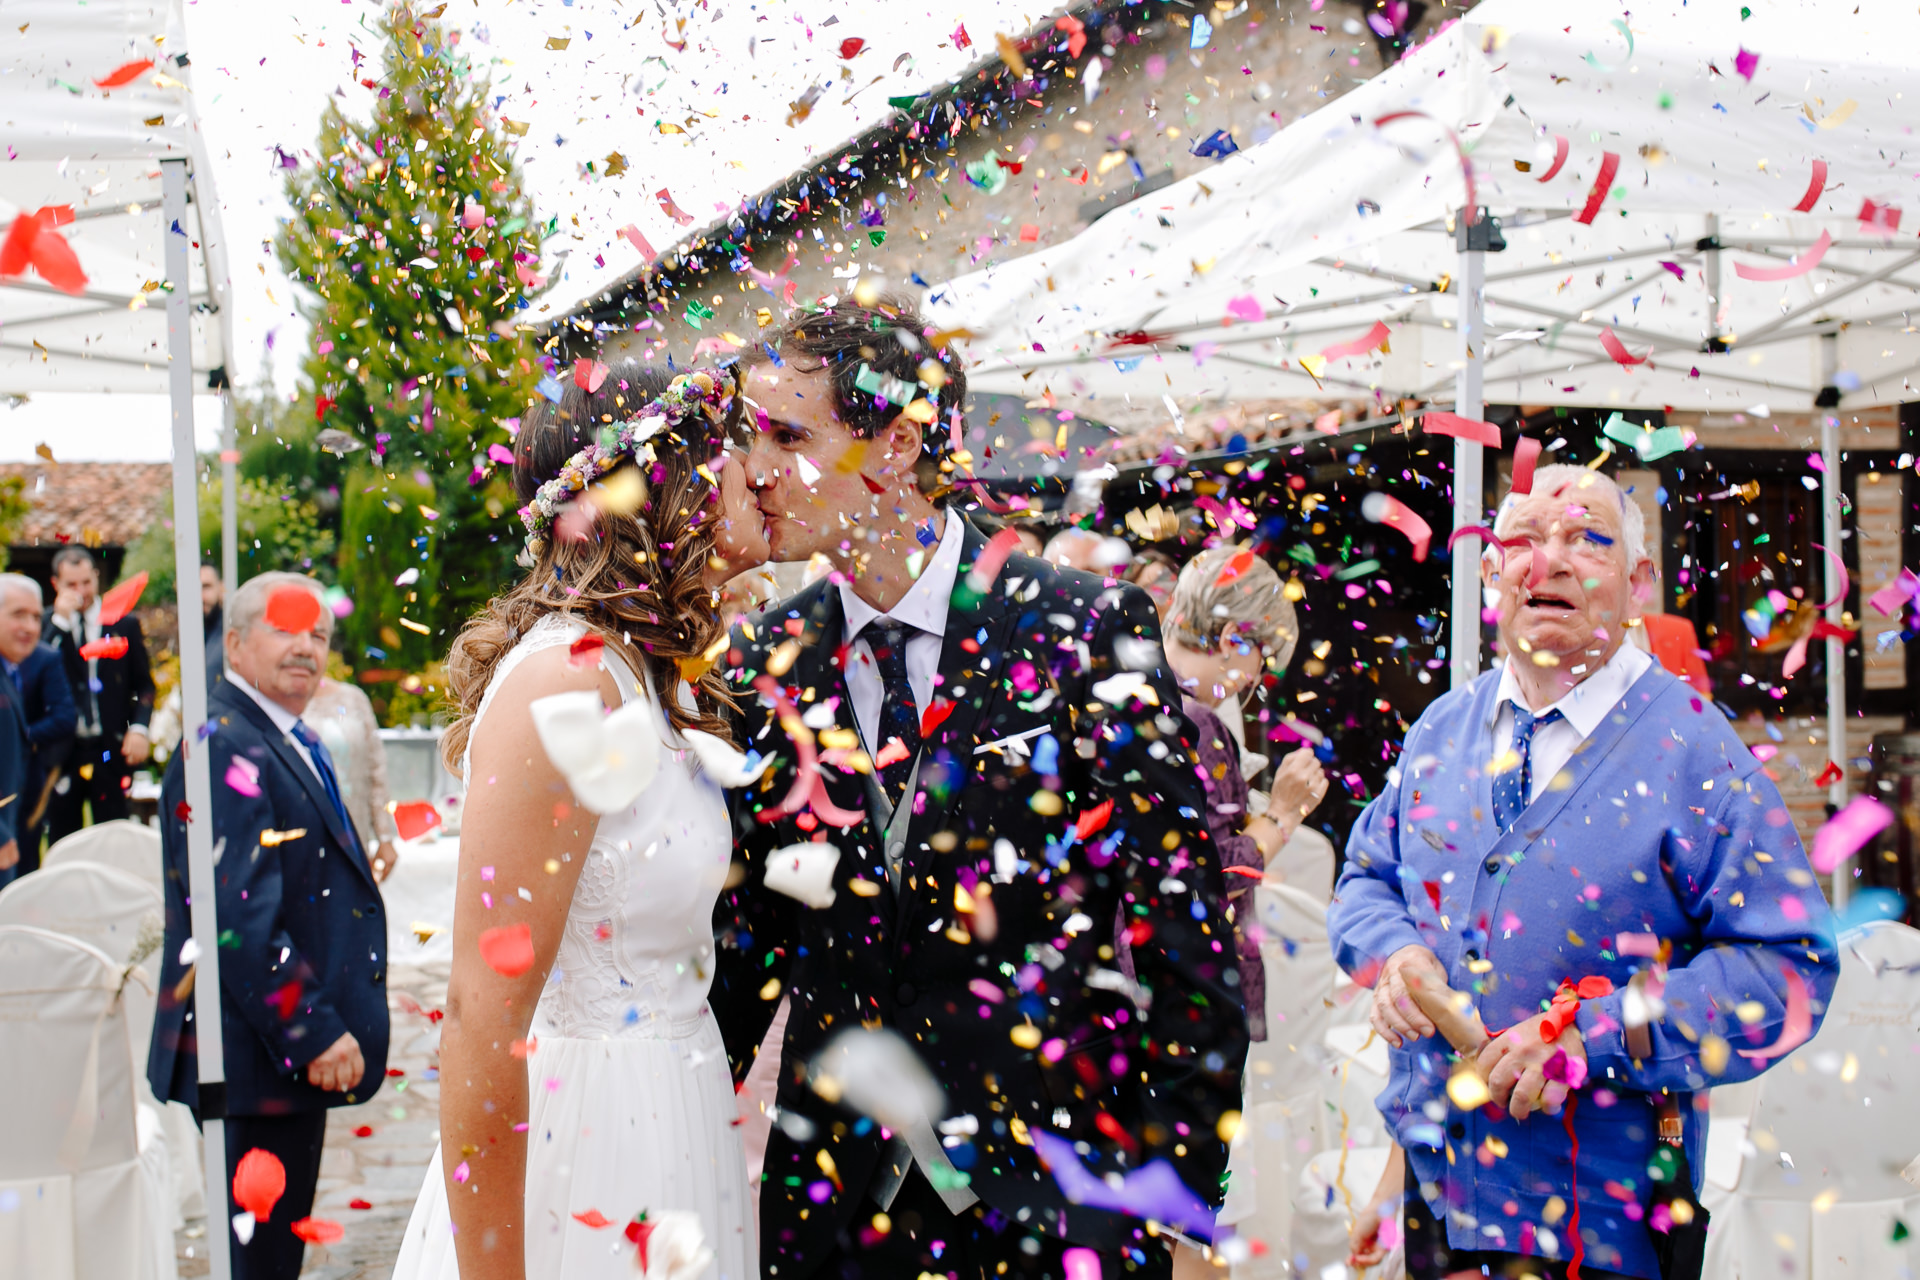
(1573, 1193)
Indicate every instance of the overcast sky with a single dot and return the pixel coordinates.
(263, 70)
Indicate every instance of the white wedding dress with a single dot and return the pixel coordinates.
(632, 1106)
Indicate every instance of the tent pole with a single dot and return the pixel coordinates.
(1469, 485)
(1831, 534)
(193, 714)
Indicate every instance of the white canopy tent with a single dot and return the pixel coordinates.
(126, 170)
(1638, 176)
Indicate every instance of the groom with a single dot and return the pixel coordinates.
(1030, 791)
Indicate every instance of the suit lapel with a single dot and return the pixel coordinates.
(235, 702)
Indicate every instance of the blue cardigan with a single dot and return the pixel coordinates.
(1661, 824)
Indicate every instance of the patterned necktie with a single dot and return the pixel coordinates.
(1514, 788)
(323, 765)
(899, 714)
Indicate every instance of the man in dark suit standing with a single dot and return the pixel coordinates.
(303, 1004)
(40, 679)
(114, 696)
(13, 778)
(1029, 794)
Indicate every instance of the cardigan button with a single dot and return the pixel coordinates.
(1456, 1130)
(1493, 865)
(905, 995)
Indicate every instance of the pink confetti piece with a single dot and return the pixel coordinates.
(1081, 1264)
(1889, 600)
(1246, 307)
(1440, 423)
(1384, 508)
(1846, 831)
(1746, 63)
(1814, 188)
(1840, 572)
(1560, 150)
(1602, 183)
(1802, 264)
(632, 235)
(501, 454)
(588, 375)
(243, 775)
(1877, 217)
(1374, 337)
(1796, 658)
(1526, 453)
(1618, 349)
(1796, 1027)
(993, 557)
(1636, 944)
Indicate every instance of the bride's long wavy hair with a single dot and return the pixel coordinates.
(636, 578)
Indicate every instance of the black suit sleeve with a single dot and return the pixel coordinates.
(139, 673)
(13, 763)
(1174, 897)
(753, 928)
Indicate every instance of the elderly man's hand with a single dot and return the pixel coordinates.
(1395, 1016)
(339, 1068)
(1520, 1070)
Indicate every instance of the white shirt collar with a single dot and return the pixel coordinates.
(283, 720)
(1587, 703)
(927, 600)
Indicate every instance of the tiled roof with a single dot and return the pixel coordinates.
(91, 503)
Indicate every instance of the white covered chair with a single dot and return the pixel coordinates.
(130, 846)
(1815, 1188)
(124, 917)
(97, 1207)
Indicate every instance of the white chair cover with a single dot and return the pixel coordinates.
(124, 917)
(130, 846)
(1816, 1186)
(67, 1074)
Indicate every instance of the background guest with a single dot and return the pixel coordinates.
(45, 702)
(212, 592)
(1083, 549)
(303, 997)
(13, 777)
(114, 698)
(343, 717)
(1155, 572)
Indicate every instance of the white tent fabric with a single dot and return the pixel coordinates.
(97, 151)
(1217, 285)
(74, 1125)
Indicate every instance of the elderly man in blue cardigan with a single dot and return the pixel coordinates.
(1580, 846)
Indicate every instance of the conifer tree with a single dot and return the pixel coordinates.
(419, 248)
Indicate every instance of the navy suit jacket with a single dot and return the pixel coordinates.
(13, 762)
(303, 952)
(47, 704)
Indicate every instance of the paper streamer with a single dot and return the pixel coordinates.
(1616, 348)
(1466, 165)
(1440, 423)
(1374, 337)
(1609, 165)
(1814, 188)
(1840, 570)
(1805, 263)
(1560, 150)
(1844, 833)
(1796, 1027)
(1382, 508)
(1526, 452)
(809, 788)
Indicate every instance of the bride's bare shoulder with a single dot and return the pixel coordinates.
(546, 671)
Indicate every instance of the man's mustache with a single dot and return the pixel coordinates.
(302, 662)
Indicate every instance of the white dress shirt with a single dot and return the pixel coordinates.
(1582, 710)
(923, 607)
(283, 719)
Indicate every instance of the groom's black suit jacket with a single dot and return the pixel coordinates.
(1131, 1085)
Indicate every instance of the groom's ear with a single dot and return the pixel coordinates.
(898, 445)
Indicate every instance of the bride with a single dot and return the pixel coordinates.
(587, 1117)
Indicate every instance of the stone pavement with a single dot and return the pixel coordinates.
(383, 1170)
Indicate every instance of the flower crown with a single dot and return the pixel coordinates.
(700, 392)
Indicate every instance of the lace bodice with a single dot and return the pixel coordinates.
(636, 955)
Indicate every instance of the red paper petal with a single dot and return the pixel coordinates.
(1093, 819)
(594, 1219)
(1235, 567)
(586, 651)
(124, 74)
(1602, 183)
(415, 818)
(293, 609)
(17, 250)
(1560, 149)
(259, 1180)
(1618, 349)
(508, 950)
(105, 647)
(1814, 188)
(588, 375)
(357, 1203)
(318, 1230)
(851, 45)
(935, 716)
(363, 1131)
(57, 263)
(1440, 423)
(1525, 454)
(1359, 346)
(118, 603)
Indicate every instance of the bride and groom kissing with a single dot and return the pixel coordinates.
(1024, 910)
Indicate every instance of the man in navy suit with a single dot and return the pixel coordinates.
(112, 695)
(46, 704)
(303, 985)
(13, 777)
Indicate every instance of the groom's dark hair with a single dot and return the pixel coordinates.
(885, 344)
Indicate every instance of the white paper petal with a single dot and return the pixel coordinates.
(877, 1073)
(1116, 688)
(804, 872)
(608, 760)
(721, 762)
(569, 728)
